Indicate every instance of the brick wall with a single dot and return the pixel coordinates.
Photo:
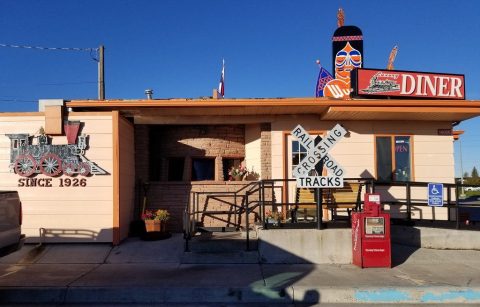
(266, 150)
(175, 196)
(188, 141)
(200, 140)
(155, 144)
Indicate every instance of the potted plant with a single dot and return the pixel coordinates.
(237, 173)
(156, 220)
(272, 217)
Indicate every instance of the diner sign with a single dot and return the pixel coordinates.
(374, 82)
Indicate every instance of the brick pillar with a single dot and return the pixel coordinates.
(266, 150)
(218, 168)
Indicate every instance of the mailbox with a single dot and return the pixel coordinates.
(371, 245)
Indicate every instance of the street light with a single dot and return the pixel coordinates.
(461, 166)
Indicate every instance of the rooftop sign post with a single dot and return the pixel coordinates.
(315, 154)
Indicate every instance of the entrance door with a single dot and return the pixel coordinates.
(295, 152)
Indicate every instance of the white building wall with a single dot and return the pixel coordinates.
(253, 148)
(433, 156)
(68, 214)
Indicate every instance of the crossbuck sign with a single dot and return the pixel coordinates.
(315, 153)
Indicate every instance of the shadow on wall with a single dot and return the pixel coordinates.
(58, 235)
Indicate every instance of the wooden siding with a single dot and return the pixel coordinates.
(432, 160)
(68, 214)
(127, 176)
(356, 153)
(253, 148)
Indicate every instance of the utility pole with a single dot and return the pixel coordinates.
(461, 166)
(101, 73)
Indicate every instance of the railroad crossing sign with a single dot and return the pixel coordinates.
(315, 153)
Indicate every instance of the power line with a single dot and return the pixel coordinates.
(97, 54)
(48, 48)
(16, 100)
(94, 52)
(68, 83)
(49, 84)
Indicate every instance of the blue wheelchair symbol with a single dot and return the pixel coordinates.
(435, 194)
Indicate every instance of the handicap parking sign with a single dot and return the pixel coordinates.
(435, 194)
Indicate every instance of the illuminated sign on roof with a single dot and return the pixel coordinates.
(374, 82)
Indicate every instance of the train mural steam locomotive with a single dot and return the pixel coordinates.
(28, 159)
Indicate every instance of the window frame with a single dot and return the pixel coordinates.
(392, 149)
(224, 158)
(287, 157)
(286, 135)
(203, 158)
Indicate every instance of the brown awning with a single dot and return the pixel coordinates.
(327, 109)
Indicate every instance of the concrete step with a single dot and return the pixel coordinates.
(238, 257)
(222, 242)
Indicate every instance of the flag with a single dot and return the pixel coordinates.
(323, 77)
(221, 85)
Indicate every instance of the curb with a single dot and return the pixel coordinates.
(260, 294)
(388, 295)
(82, 295)
(25, 295)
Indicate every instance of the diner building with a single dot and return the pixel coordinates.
(86, 170)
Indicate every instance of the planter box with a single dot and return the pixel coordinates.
(155, 226)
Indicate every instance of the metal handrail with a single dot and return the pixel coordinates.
(262, 186)
(192, 210)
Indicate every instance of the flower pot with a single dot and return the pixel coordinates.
(237, 178)
(155, 226)
(272, 221)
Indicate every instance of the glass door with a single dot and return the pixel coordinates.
(301, 199)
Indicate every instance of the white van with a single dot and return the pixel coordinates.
(11, 238)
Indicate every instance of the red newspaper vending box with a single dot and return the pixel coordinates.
(371, 235)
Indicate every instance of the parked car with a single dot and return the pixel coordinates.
(472, 188)
(11, 237)
(469, 209)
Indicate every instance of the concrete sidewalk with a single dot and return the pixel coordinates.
(145, 272)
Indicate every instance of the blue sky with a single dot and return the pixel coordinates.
(175, 47)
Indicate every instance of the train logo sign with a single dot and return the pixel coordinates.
(396, 83)
(29, 157)
(317, 153)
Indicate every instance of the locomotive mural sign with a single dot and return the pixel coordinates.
(29, 157)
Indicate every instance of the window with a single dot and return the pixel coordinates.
(299, 152)
(394, 162)
(175, 169)
(203, 169)
(228, 163)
